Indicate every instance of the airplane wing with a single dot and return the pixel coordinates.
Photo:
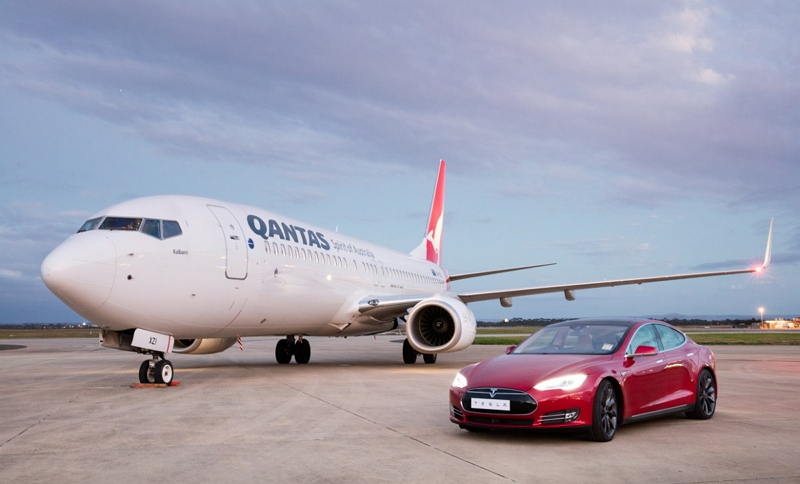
(383, 308)
(568, 289)
(467, 275)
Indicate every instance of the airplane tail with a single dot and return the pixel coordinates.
(431, 246)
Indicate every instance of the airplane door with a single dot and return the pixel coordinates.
(235, 243)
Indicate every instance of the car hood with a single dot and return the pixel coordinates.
(521, 372)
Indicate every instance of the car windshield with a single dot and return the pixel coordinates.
(575, 339)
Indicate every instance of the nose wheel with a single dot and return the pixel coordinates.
(156, 371)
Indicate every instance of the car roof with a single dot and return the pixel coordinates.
(599, 321)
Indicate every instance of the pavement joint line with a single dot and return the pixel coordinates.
(426, 444)
(41, 420)
(744, 479)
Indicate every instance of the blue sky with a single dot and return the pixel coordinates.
(618, 139)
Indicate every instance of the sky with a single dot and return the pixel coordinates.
(617, 139)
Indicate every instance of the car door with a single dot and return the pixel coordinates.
(646, 383)
(678, 365)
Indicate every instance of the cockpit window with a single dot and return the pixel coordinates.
(171, 229)
(160, 229)
(90, 224)
(121, 223)
(152, 227)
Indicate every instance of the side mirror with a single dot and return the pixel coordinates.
(510, 349)
(644, 350)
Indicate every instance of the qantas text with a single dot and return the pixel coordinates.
(287, 232)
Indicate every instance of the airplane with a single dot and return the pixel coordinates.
(193, 275)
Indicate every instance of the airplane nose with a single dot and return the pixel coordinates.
(81, 271)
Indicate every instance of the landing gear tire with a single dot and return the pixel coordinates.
(283, 352)
(163, 371)
(147, 372)
(302, 351)
(409, 353)
(429, 359)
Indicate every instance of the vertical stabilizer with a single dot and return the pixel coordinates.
(431, 246)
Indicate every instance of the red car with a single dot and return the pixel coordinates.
(595, 374)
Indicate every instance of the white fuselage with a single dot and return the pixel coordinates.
(233, 270)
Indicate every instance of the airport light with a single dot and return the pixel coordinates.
(761, 311)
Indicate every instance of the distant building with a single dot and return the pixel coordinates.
(781, 324)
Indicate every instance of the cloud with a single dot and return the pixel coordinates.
(10, 274)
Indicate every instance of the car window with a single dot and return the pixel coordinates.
(669, 337)
(644, 336)
(575, 339)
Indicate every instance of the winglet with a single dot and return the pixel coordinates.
(768, 253)
(431, 246)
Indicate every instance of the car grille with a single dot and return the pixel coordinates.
(521, 402)
(457, 413)
(513, 422)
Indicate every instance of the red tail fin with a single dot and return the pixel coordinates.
(431, 246)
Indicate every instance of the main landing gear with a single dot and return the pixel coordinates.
(288, 347)
(157, 370)
(410, 355)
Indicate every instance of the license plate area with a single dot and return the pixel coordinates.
(493, 404)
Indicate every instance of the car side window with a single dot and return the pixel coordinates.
(644, 336)
(669, 337)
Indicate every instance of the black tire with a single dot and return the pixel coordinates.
(429, 359)
(705, 401)
(283, 352)
(146, 373)
(163, 371)
(605, 413)
(302, 352)
(409, 353)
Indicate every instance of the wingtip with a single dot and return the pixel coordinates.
(768, 253)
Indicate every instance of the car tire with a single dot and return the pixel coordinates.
(605, 413)
(705, 401)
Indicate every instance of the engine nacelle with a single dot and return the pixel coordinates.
(440, 324)
(204, 346)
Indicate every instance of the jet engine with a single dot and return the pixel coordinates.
(440, 324)
(204, 346)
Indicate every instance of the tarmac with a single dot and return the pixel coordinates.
(356, 414)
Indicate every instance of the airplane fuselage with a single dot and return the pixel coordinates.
(233, 270)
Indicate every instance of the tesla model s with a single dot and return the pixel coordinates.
(591, 374)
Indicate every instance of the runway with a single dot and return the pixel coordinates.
(355, 414)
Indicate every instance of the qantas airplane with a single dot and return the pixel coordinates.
(193, 275)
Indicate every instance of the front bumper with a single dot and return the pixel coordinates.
(528, 410)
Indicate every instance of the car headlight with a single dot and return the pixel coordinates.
(566, 382)
(460, 381)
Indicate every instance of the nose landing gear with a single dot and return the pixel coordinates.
(157, 370)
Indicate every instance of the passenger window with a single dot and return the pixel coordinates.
(266, 246)
(152, 227)
(669, 337)
(283, 250)
(121, 223)
(275, 248)
(171, 228)
(90, 224)
(644, 336)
